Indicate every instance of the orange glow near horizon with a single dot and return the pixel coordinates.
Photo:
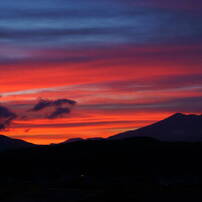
(105, 126)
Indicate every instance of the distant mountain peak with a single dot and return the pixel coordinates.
(174, 117)
(177, 127)
(181, 115)
(177, 115)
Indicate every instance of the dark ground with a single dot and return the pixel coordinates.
(139, 170)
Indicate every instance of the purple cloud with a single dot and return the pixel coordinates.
(58, 107)
(6, 117)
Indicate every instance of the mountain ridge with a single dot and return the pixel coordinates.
(8, 143)
(177, 127)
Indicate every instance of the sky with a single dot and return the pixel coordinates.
(75, 68)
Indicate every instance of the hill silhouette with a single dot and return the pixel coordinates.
(178, 127)
(7, 143)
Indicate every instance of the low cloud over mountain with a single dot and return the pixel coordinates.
(46, 109)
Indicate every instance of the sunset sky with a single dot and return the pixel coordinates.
(123, 63)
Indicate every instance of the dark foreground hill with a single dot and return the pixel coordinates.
(7, 143)
(137, 169)
(132, 166)
(178, 127)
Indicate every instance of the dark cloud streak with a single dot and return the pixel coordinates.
(60, 107)
(6, 117)
(43, 103)
(59, 111)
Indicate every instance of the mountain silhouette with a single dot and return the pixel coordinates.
(178, 127)
(71, 140)
(7, 143)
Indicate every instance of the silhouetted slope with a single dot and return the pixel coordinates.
(178, 127)
(7, 143)
(71, 140)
